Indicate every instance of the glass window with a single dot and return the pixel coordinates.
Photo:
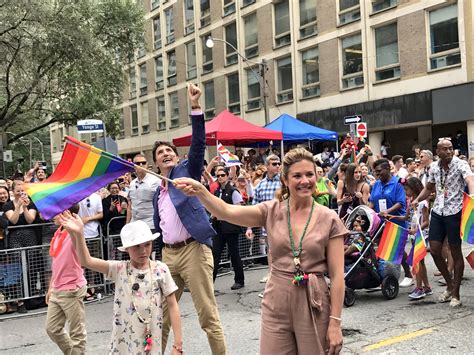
(307, 18)
(122, 123)
(310, 65)
(251, 38)
(174, 104)
(191, 60)
(145, 117)
(134, 118)
(155, 4)
(229, 7)
(386, 47)
(205, 13)
(169, 25)
(156, 33)
(379, 5)
(233, 93)
(231, 37)
(282, 24)
(207, 64)
(188, 17)
(159, 72)
(349, 11)
(352, 62)
(132, 82)
(171, 68)
(143, 80)
(160, 108)
(444, 37)
(209, 99)
(253, 90)
(285, 80)
(247, 2)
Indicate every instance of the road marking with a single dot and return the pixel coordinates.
(397, 339)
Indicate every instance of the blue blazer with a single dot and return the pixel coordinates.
(190, 210)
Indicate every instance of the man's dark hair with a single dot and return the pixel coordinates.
(409, 161)
(74, 208)
(382, 162)
(223, 168)
(160, 143)
(396, 158)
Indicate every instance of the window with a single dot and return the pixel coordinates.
(155, 4)
(141, 47)
(143, 81)
(387, 64)
(229, 7)
(174, 104)
(159, 73)
(349, 11)
(444, 37)
(134, 116)
(282, 23)
(352, 72)
(251, 38)
(188, 17)
(156, 33)
(171, 68)
(132, 82)
(233, 93)
(310, 65)
(285, 80)
(209, 99)
(160, 108)
(231, 56)
(122, 124)
(379, 5)
(169, 25)
(247, 2)
(145, 117)
(205, 13)
(207, 64)
(191, 60)
(253, 90)
(308, 22)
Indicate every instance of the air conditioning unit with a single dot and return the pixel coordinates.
(440, 62)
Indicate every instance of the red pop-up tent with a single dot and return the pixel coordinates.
(228, 129)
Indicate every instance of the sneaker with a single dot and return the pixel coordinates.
(406, 282)
(260, 295)
(264, 280)
(236, 286)
(428, 291)
(417, 294)
(445, 297)
(455, 302)
(22, 309)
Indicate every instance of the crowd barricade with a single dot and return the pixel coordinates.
(255, 248)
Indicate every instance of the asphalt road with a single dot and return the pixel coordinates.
(373, 325)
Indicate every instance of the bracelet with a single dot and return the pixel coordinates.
(179, 349)
(336, 318)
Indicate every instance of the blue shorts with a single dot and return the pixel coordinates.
(445, 226)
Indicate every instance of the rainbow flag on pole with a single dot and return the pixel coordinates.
(392, 243)
(418, 251)
(83, 169)
(228, 158)
(467, 219)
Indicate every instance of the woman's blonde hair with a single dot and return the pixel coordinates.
(293, 156)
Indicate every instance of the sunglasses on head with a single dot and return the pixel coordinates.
(277, 163)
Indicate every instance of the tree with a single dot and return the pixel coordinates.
(62, 61)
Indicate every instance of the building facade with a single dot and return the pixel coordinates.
(406, 66)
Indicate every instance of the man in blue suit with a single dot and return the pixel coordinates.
(187, 233)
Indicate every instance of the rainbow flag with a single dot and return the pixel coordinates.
(83, 169)
(467, 219)
(228, 158)
(392, 243)
(418, 251)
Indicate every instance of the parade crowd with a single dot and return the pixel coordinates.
(298, 205)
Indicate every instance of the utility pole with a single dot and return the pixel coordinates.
(263, 70)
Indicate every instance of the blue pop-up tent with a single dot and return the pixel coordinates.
(296, 130)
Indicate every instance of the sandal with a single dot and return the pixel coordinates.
(90, 295)
(445, 297)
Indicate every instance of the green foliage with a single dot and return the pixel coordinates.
(62, 61)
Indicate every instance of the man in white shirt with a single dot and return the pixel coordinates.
(90, 211)
(400, 171)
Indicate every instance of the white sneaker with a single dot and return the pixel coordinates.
(406, 282)
(264, 280)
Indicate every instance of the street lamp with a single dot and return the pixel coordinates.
(42, 147)
(261, 78)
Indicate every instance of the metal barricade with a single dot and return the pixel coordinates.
(255, 248)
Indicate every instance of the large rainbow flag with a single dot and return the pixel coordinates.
(418, 251)
(83, 169)
(392, 243)
(467, 219)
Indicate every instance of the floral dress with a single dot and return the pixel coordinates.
(128, 332)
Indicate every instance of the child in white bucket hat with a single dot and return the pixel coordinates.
(140, 285)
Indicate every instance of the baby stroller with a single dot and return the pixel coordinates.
(362, 268)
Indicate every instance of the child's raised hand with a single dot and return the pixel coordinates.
(71, 222)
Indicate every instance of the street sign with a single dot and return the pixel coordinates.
(90, 126)
(361, 130)
(7, 156)
(352, 119)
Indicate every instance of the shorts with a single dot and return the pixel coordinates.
(442, 226)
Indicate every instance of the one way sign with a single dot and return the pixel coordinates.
(352, 119)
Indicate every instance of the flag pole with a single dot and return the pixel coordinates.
(138, 167)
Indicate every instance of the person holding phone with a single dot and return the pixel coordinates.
(114, 205)
(352, 191)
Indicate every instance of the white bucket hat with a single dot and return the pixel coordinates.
(136, 233)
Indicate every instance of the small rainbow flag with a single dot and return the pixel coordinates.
(228, 158)
(83, 169)
(467, 219)
(392, 243)
(418, 251)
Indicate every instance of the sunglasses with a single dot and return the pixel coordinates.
(221, 175)
(140, 162)
(276, 164)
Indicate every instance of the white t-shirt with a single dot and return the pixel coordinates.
(402, 173)
(89, 207)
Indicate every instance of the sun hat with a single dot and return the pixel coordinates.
(135, 233)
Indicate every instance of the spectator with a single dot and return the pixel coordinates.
(384, 149)
(400, 171)
(368, 178)
(244, 186)
(114, 206)
(4, 198)
(324, 188)
(258, 174)
(352, 191)
(411, 167)
(426, 158)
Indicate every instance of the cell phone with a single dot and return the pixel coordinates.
(43, 163)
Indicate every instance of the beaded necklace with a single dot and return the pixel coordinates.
(300, 278)
(57, 242)
(148, 341)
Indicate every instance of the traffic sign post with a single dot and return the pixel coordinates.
(352, 119)
(361, 130)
